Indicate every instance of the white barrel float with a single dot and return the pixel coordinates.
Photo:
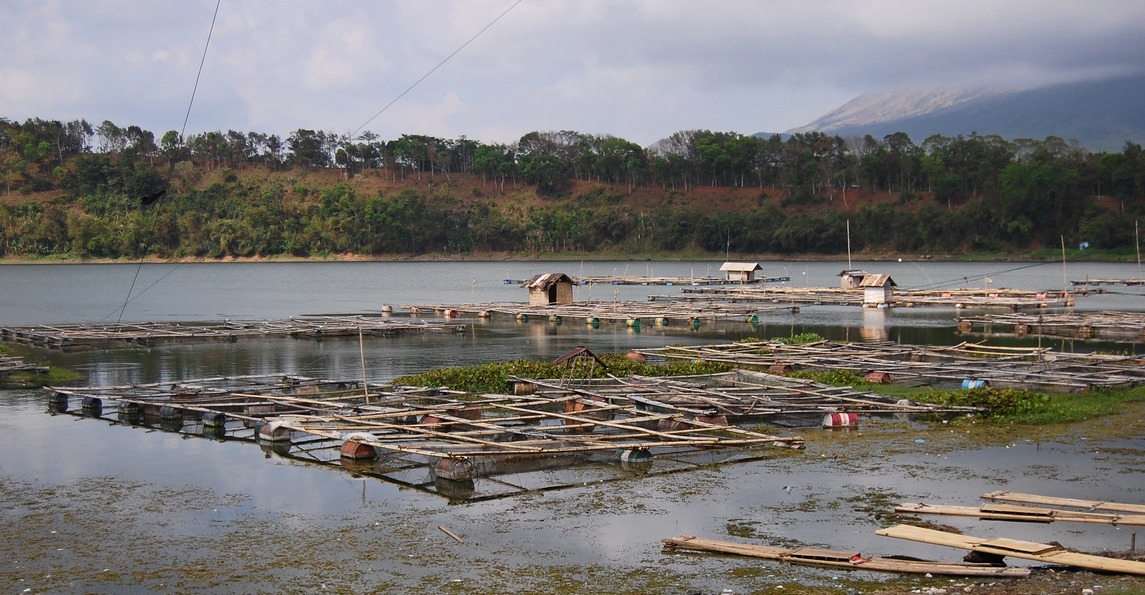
(975, 383)
(354, 446)
(387, 309)
(273, 431)
(840, 419)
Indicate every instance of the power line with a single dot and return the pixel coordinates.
(202, 61)
(432, 70)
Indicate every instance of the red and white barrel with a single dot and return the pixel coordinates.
(840, 420)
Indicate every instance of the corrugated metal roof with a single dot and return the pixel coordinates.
(741, 266)
(878, 281)
(546, 280)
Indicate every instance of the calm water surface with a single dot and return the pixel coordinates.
(814, 498)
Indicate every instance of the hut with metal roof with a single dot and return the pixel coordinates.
(741, 272)
(851, 278)
(549, 288)
(878, 290)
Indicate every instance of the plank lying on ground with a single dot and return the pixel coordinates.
(841, 559)
(1002, 546)
(1006, 496)
(1027, 514)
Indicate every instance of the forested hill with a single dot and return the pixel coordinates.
(73, 191)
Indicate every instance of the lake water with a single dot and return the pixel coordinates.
(81, 498)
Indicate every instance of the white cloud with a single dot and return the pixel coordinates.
(639, 69)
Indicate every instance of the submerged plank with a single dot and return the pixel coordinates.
(1006, 496)
(842, 559)
(1002, 546)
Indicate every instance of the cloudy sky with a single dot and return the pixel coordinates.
(637, 69)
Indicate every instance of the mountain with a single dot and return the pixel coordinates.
(1101, 115)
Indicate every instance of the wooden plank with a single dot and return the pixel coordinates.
(1041, 552)
(1007, 496)
(840, 559)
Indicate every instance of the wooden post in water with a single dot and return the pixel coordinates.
(362, 351)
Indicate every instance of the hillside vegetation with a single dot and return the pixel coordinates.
(71, 191)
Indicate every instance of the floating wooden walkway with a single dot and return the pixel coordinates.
(446, 439)
(1007, 496)
(967, 364)
(1023, 514)
(107, 336)
(1108, 326)
(738, 397)
(1001, 546)
(849, 560)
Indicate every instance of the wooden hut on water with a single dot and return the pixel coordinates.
(742, 272)
(549, 288)
(878, 290)
(851, 278)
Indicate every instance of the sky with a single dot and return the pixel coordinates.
(494, 70)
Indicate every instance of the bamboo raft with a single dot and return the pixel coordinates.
(107, 336)
(1110, 326)
(1009, 299)
(1002, 546)
(736, 397)
(849, 560)
(12, 365)
(1128, 282)
(660, 280)
(654, 312)
(430, 439)
(967, 364)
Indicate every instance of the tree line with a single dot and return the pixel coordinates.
(963, 193)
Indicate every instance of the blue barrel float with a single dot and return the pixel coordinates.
(975, 383)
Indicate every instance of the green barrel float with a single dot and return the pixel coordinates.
(593, 321)
(522, 317)
(752, 319)
(556, 319)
